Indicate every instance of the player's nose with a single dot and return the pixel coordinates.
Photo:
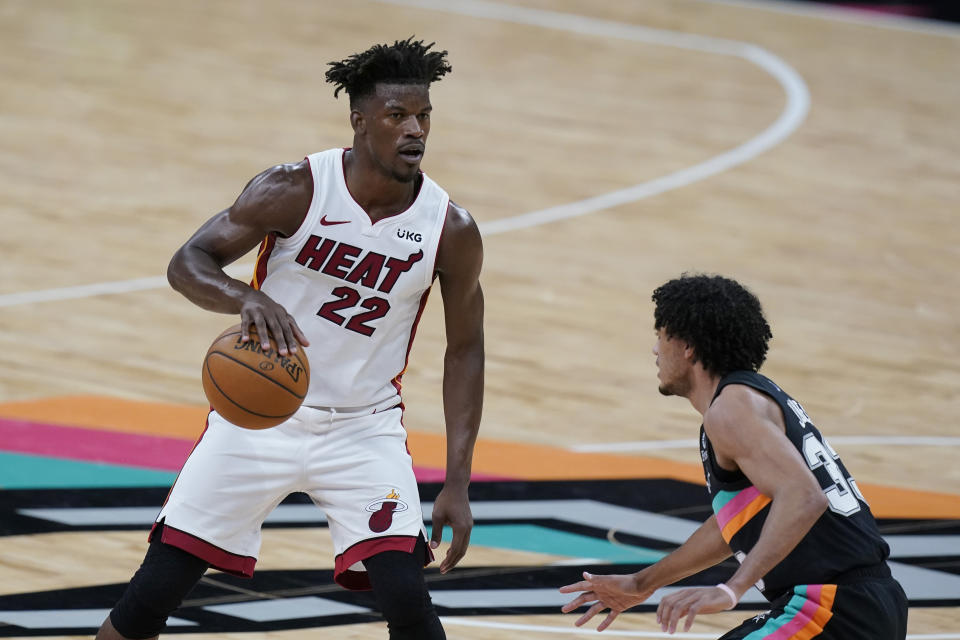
(412, 127)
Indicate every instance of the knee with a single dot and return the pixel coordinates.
(137, 615)
(156, 590)
(410, 615)
(401, 593)
(406, 605)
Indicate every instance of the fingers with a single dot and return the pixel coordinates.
(270, 320)
(436, 533)
(458, 549)
(287, 334)
(579, 601)
(592, 611)
(263, 332)
(583, 585)
(694, 610)
(300, 336)
(665, 612)
(608, 620)
(689, 603)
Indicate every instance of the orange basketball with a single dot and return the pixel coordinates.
(251, 387)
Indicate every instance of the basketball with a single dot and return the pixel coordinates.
(250, 387)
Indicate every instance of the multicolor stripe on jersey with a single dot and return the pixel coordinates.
(844, 538)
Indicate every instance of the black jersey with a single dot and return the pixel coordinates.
(844, 538)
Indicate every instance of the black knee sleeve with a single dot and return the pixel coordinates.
(401, 594)
(157, 588)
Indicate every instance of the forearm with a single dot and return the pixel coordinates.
(195, 274)
(462, 408)
(702, 550)
(789, 520)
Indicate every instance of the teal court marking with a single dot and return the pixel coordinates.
(21, 471)
(527, 537)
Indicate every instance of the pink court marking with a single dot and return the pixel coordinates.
(93, 445)
(128, 449)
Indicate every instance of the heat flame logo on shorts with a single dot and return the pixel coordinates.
(383, 511)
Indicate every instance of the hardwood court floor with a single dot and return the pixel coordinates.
(125, 125)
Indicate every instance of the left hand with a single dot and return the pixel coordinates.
(690, 602)
(452, 508)
(615, 592)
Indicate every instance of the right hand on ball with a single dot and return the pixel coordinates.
(270, 319)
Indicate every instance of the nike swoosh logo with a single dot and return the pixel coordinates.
(327, 223)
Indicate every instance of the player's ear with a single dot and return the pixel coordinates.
(358, 122)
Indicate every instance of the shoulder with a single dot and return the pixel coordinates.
(459, 221)
(280, 195)
(737, 405)
(461, 246)
(738, 409)
(281, 179)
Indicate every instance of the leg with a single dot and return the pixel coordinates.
(401, 593)
(157, 588)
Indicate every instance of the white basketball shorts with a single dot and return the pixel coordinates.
(354, 465)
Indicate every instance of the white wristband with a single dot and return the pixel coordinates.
(727, 590)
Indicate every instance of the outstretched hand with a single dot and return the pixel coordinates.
(615, 592)
(690, 602)
(452, 508)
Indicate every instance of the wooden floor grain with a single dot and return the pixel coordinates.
(125, 125)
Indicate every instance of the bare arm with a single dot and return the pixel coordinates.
(703, 549)
(459, 259)
(747, 432)
(275, 201)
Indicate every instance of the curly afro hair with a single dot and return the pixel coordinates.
(718, 317)
(404, 62)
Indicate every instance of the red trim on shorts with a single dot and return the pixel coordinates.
(218, 558)
(358, 580)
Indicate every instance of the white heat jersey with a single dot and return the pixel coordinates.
(356, 288)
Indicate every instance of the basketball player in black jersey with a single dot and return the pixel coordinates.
(784, 504)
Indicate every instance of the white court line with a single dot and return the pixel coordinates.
(242, 271)
(659, 445)
(793, 114)
(795, 110)
(571, 630)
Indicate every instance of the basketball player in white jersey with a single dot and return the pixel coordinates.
(350, 243)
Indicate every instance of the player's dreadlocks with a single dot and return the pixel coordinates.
(405, 62)
(718, 317)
